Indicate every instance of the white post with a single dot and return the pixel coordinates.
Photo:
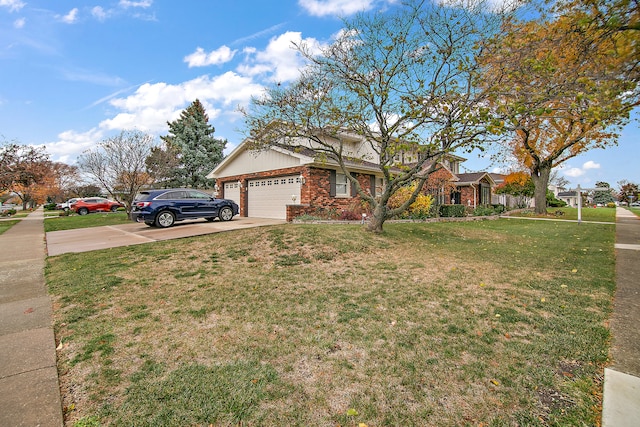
(579, 205)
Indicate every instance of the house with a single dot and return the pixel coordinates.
(283, 181)
(473, 189)
(569, 197)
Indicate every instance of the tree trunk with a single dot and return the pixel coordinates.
(541, 181)
(378, 218)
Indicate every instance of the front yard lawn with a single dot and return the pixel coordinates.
(587, 214)
(73, 221)
(5, 225)
(493, 323)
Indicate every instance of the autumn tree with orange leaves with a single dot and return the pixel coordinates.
(519, 185)
(558, 91)
(27, 172)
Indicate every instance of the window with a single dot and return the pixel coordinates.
(342, 185)
(198, 195)
(455, 167)
(171, 195)
(485, 195)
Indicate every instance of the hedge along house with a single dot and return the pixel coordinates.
(283, 181)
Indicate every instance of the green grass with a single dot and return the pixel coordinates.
(490, 323)
(5, 225)
(83, 221)
(587, 214)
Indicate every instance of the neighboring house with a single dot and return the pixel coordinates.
(284, 182)
(569, 197)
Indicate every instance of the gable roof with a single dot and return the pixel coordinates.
(298, 156)
(473, 178)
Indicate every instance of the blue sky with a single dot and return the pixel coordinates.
(73, 72)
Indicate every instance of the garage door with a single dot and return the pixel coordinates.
(232, 191)
(269, 197)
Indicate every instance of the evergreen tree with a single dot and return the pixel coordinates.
(198, 152)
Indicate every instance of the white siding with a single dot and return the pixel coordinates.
(258, 161)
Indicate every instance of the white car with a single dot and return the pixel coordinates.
(67, 205)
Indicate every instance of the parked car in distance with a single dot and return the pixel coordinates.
(635, 204)
(95, 204)
(162, 208)
(65, 206)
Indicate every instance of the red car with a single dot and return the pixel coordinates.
(95, 204)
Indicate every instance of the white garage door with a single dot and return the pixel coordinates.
(232, 191)
(269, 197)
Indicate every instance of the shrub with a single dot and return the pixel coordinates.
(552, 202)
(50, 207)
(8, 212)
(419, 209)
(611, 205)
(450, 211)
(350, 216)
(485, 210)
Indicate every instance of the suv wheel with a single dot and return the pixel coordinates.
(165, 219)
(225, 214)
(83, 211)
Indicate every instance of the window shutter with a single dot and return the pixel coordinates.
(372, 185)
(332, 183)
(353, 189)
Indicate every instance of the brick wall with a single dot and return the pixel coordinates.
(314, 192)
(315, 196)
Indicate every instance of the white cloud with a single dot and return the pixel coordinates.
(573, 172)
(71, 144)
(70, 17)
(99, 13)
(152, 105)
(200, 58)
(19, 23)
(142, 3)
(13, 5)
(577, 172)
(590, 165)
(279, 59)
(335, 7)
(91, 76)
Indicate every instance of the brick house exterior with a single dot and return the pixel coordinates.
(282, 182)
(474, 189)
(315, 191)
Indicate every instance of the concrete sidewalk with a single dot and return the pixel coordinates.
(29, 390)
(621, 399)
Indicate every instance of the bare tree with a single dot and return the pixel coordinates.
(118, 164)
(402, 82)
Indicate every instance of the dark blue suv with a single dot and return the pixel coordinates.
(162, 208)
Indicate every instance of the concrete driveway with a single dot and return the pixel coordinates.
(90, 239)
